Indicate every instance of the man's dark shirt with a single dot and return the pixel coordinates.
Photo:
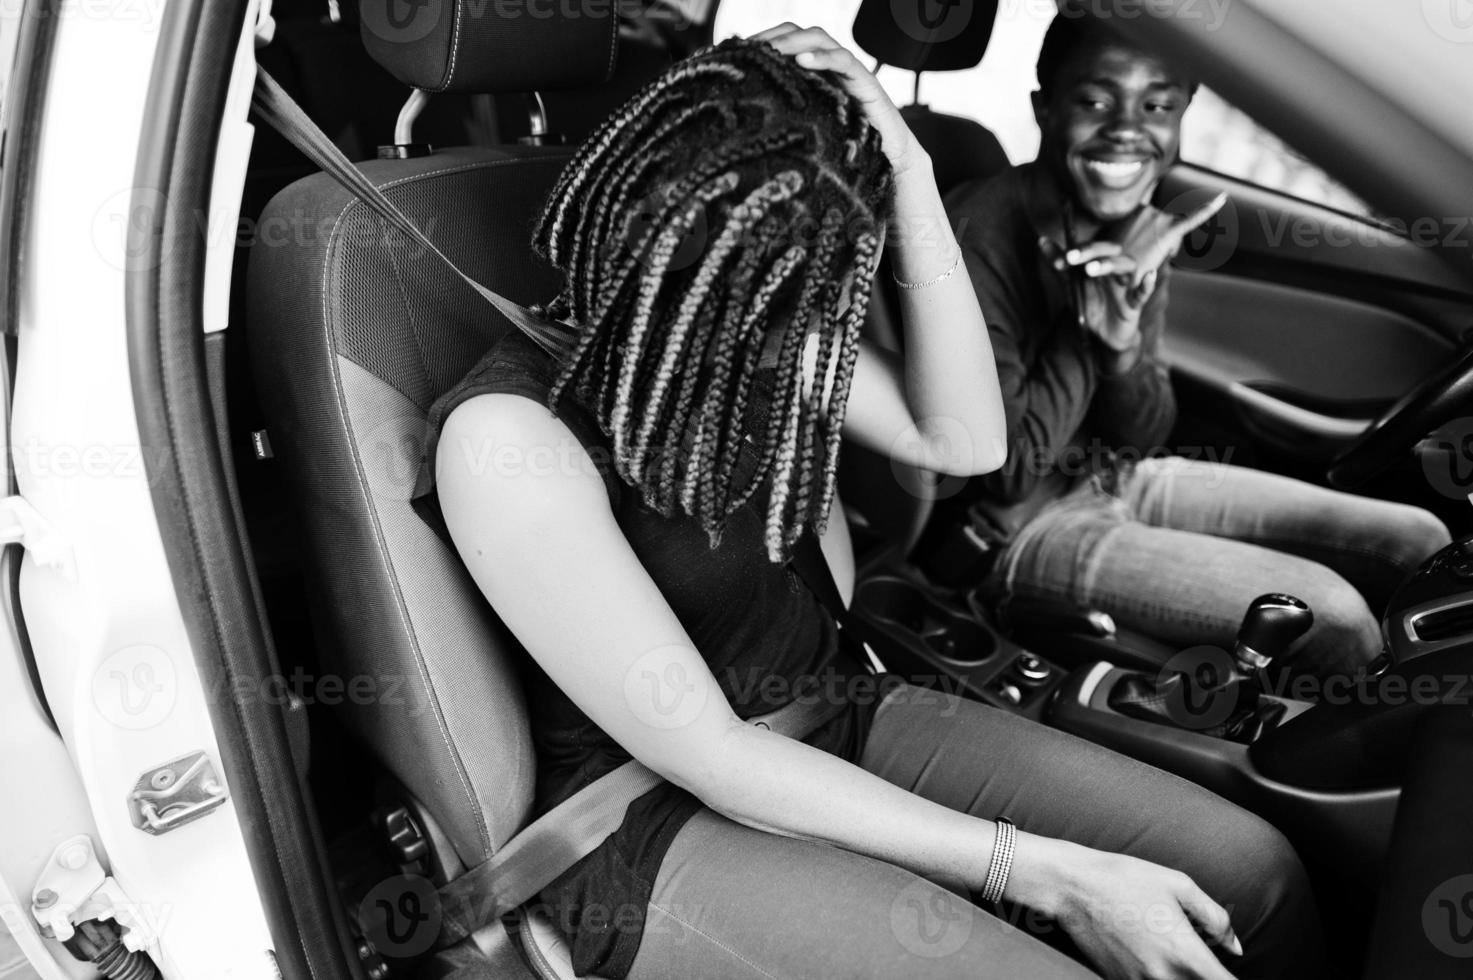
(1063, 409)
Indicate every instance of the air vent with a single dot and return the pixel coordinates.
(1444, 624)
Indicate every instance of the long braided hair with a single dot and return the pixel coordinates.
(703, 231)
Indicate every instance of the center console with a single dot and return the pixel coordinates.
(943, 638)
(1322, 760)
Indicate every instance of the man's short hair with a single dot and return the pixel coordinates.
(1073, 27)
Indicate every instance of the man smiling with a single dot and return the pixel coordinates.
(1069, 260)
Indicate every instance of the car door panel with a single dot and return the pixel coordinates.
(1292, 325)
(1299, 370)
(1263, 234)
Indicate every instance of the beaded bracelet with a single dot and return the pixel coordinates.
(929, 282)
(1002, 860)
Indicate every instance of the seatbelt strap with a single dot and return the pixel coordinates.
(278, 110)
(813, 565)
(554, 842)
(558, 839)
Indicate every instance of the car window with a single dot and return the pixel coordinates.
(995, 93)
(1221, 137)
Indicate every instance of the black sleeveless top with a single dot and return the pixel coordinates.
(760, 629)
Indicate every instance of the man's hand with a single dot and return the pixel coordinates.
(1114, 277)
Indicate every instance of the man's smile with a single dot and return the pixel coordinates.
(1115, 174)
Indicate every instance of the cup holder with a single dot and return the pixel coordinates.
(912, 616)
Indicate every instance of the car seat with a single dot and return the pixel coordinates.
(896, 35)
(353, 333)
(892, 502)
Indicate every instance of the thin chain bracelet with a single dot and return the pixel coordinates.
(929, 282)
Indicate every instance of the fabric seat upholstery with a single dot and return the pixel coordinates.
(353, 335)
(353, 332)
(895, 500)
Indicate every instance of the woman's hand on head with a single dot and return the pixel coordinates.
(814, 48)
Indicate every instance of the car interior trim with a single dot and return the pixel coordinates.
(196, 516)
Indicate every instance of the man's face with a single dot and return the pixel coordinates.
(1111, 126)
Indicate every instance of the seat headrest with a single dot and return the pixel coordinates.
(491, 46)
(925, 35)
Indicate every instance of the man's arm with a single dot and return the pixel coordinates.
(1045, 401)
(1134, 405)
(1125, 308)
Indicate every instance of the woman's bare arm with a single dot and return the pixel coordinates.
(940, 406)
(535, 529)
(542, 544)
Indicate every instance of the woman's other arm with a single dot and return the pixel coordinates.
(939, 407)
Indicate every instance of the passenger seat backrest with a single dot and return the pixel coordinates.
(893, 498)
(961, 150)
(906, 36)
(353, 334)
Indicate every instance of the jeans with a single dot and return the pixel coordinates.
(733, 902)
(1177, 549)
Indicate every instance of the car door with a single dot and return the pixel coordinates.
(1298, 316)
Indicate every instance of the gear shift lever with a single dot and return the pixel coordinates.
(1272, 623)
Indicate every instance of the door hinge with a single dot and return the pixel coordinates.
(176, 793)
(74, 889)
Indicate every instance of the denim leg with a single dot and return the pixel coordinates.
(733, 903)
(1188, 589)
(989, 762)
(1188, 545)
(1371, 543)
(1051, 553)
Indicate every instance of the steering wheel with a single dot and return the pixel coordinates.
(1428, 407)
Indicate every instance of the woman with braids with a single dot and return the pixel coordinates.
(718, 237)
